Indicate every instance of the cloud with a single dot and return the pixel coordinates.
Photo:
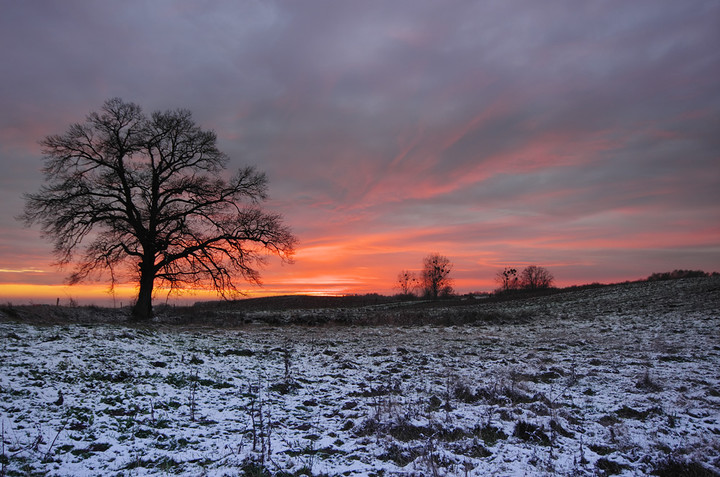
(490, 131)
(21, 270)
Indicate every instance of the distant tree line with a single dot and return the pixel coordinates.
(434, 279)
(675, 274)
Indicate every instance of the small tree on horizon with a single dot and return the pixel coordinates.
(508, 279)
(436, 281)
(407, 282)
(146, 195)
(534, 277)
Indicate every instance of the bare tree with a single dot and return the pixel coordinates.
(146, 195)
(436, 279)
(534, 277)
(508, 279)
(407, 282)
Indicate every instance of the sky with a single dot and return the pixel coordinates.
(579, 136)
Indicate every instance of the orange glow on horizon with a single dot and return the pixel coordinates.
(21, 294)
(353, 261)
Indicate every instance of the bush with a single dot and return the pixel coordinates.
(677, 274)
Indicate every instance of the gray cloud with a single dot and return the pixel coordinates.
(419, 116)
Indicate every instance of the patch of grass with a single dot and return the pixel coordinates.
(600, 449)
(82, 453)
(529, 432)
(609, 467)
(517, 397)
(79, 418)
(463, 393)
(251, 468)
(238, 352)
(121, 376)
(474, 450)
(112, 400)
(546, 377)
(121, 411)
(714, 392)
(144, 433)
(322, 452)
(99, 446)
(400, 455)
(66, 448)
(179, 380)
(284, 387)
(608, 420)
(381, 390)
(489, 434)
(434, 403)
(672, 467)
(163, 463)
(626, 412)
(454, 434)
(558, 428)
(405, 432)
(214, 384)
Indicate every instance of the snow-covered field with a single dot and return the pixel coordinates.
(619, 380)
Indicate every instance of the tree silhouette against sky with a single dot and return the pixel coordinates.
(146, 195)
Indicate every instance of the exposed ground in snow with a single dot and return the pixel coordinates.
(616, 380)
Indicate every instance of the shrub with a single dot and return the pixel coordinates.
(676, 274)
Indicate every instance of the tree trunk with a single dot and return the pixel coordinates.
(143, 307)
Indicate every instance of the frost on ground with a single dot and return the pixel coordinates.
(617, 380)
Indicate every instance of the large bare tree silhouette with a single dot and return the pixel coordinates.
(125, 191)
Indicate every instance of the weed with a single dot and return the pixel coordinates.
(647, 383)
(192, 402)
(47, 453)
(557, 428)
(4, 459)
(463, 393)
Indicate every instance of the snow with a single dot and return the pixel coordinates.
(610, 380)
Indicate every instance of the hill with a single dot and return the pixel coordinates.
(686, 294)
(598, 381)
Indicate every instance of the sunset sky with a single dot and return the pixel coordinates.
(580, 136)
